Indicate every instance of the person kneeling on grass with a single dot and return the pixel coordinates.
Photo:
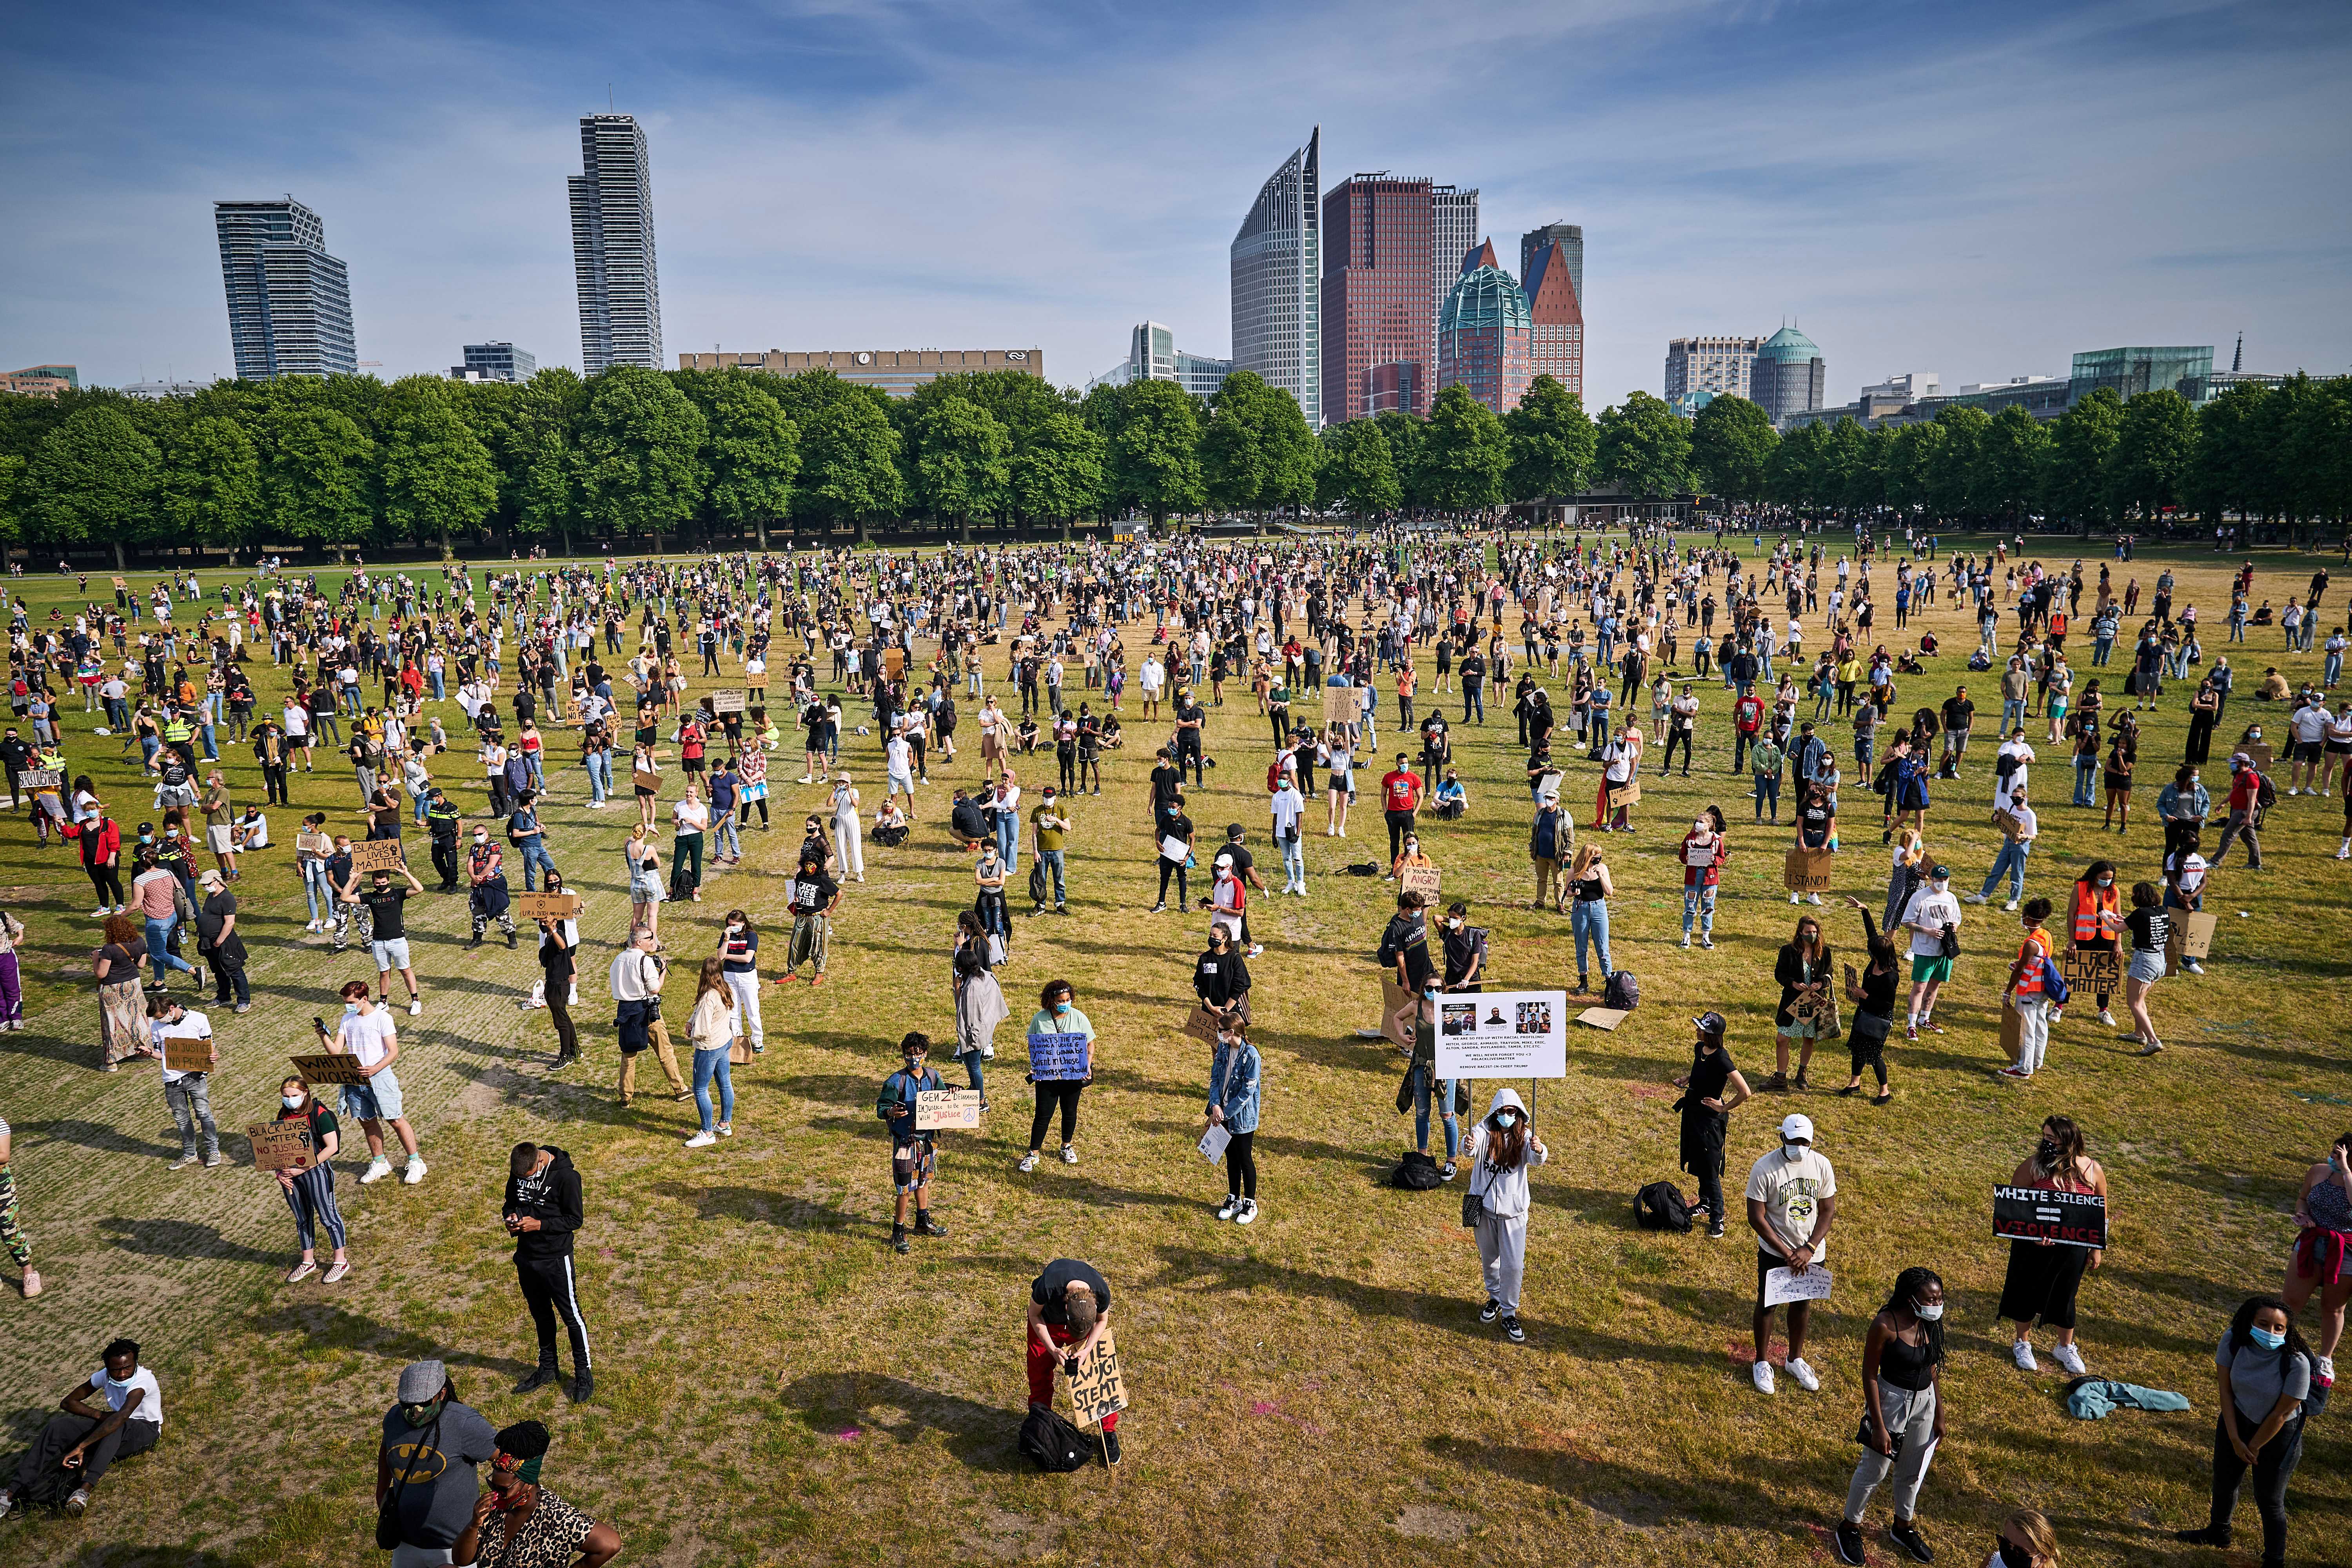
(914, 1153)
(1069, 1313)
(117, 1412)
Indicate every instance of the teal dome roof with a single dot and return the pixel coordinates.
(1789, 346)
(1485, 297)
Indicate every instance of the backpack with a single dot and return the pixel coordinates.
(1662, 1207)
(1037, 884)
(2265, 792)
(1623, 993)
(1052, 1442)
(1416, 1173)
(2053, 984)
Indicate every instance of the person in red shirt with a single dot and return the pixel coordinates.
(2246, 789)
(1400, 800)
(1704, 850)
(1747, 719)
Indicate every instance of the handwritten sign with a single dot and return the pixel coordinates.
(727, 702)
(894, 663)
(282, 1146)
(188, 1053)
(378, 855)
(1057, 1059)
(120, 583)
(2192, 935)
(1806, 870)
(1785, 1285)
(329, 1067)
(41, 778)
(2035, 1213)
(2260, 751)
(1201, 1025)
(1400, 1013)
(1624, 794)
(544, 906)
(649, 782)
(2091, 969)
(1420, 881)
(1215, 1142)
(939, 1108)
(1096, 1389)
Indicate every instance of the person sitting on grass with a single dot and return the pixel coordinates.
(117, 1412)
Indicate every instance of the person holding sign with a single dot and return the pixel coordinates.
(1053, 1029)
(311, 1189)
(2097, 918)
(1933, 920)
(367, 1035)
(1705, 848)
(914, 1151)
(1873, 996)
(1235, 1070)
(1803, 970)
(1903, 1415)
(1175, 831)
(1791, 1202)
(2044, 1275)
(1502, 1149)
(1069, 1314)
(486, 876)
(388, 939)
(185, 1088)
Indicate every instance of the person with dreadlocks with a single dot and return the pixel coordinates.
(519, 1523)
(1903, 1415)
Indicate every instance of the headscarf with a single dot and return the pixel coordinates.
(521, 1448)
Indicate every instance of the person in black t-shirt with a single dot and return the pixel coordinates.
(1069, 1313)
(389, 944)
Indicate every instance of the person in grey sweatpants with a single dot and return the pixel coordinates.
(1902, 1419)
(1502, 1149)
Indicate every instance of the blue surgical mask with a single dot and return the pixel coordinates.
(1927, 1311)
(292, 1102)
(351, 1009)
(1505, 1117)
(2265, 1338)
(119, 1384)
(1061, 1006)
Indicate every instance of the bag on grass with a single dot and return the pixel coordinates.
(1052, 1442)
(1623, 993)
(1037, 885)
(1416, 1173)
(1662, 1207)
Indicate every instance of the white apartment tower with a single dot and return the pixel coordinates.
(1277, 269)
(613, 246)
(1453, 235)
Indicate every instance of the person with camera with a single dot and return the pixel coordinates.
(1069, 1313)
(1903, 1414)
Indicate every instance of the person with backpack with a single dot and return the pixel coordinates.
(2262, 1370)
(2030, 994)
(1069, 1313)
(1933, 920)
(2249, 792)
(1903, 1412)
(1707, 1114)
(1503, 1147)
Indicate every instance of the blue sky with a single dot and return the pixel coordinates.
(1975, 190)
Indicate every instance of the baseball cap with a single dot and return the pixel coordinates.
(1795, 1127)
(420, 1380)
(1709, 1023)
(1939, 873)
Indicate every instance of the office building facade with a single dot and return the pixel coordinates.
(896, 370)
(41, 380)
(1152, 356)
(613, 256)
(1718, 367)
(494, 361)
(2188, 370)
(1556, 315)
(1454, 235)
(1276, 262)
(1788, 375)
(1569, 237)
(1380, 243)
(1484, 335)
(289, 302)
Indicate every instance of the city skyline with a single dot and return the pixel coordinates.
(815, 212)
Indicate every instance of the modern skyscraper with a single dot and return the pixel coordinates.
(1152, 356)
(496, 362)
(1485, 334)
(1557, 345)
(1570, 236)
(1378, 243)
(1453, 234)
(289, 302)
(1788, 376)
(1277, 265)
(1718, 367)
(2130, 371)
(613, 246)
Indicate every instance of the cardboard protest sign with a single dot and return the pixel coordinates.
(329, 1067)
(1057, 1059)
(1503, 1034)
(727, 702)
(2192, 935)
(1624, 794)
(377, 855)
(1422, 881)
(2260, 751)
(2013, 1033)
(640, 779)
(1400, 1012)
(41, 778)
(280, 1145)
(1096, 1389)
(188, 1053)
(1806, 870)
(120, 583)
(1603, 1017)
(1201, 1025)
(2091, 969)
(894, 663)
(1785, 1285)
(940, 1107)
(544, 906)
(2036, 1213)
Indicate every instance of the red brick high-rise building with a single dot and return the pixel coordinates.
(1556, 345)
(1378, 256)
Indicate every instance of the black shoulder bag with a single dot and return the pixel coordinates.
(387, 1512)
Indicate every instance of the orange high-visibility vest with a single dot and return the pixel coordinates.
(2090, 903)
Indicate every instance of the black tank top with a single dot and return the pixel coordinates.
(1587, 889)
(1906, 1366)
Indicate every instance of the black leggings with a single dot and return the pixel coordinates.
(1176, 869)
(1241, 1165)
(559, 994)
(744, 818)
(1065, 1093)
(108, 880)
(1871, 1054)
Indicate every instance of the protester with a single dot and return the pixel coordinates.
(914, 1151)
(115, 1413)
(187, 1093)
(635, 980)
(1057, 1013)
(367, 1033)
(1933, 920)
(2027, 992)
(12, 1226)
(310, 1192)
(2026, 1541)
(646, 892)
(739, 957)
(1903, 1411)
(424, 1465)
(1221, 977)
(1873, 996)
(1704, 849)
(122, 1014)
(485, 879)
(2323, 1217)
(1503, 1147)
(1803, 970)
(1588, 887)
(559, 982)
(1069, 1313)
(2020, 828)
(388, 934)
(2264, 1372)
(1548, 840)
(544, 1212)
(519, 1523)
(1792, 1203)
(711, 1027)
(2097, 919)
(1707, 1115)
(2151, 925)
(2044, 1275)
(812, 895)
(1235, 1076)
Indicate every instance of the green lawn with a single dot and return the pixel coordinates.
(774, 1384)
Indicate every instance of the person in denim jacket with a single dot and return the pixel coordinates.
(1234, 1083)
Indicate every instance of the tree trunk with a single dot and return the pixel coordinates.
(862, 538)
(760, 527)
(563, 531)
(658, 550)
(447, 553)
(119, 567)
(1066, 531)
(963, 531)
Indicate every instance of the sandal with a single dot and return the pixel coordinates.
(1849, 1090)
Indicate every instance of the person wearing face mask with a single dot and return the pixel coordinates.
(1503, 1147)
(1409, 859)
(542, 1212)
(519, 1523)
(1466, 950)
(1057, 1013)
(367, 1033)
(485, 875)
(1221, 977)
(1175, 830)
(2097, 919)
(1704, 850)
(1707, 1114)
(117, 1412)
(2264, 1370)
(1903, 1414)
(310, 1192)
(739, 956)
(424, 1465)
(2028, 992)
(914, 1152)
(988, 900)
(1235, 1070)
(2044, 1277)
(1792, 1203)
(2026, 1541)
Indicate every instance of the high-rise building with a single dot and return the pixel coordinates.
(1788, 376)
(2130, 371)
(613, 246)
(1453, 235)
(1152, 356)
(1276, 264)
(289, 302)
(1717, 366)
(1568, 235)
(494, 361)
(1557, 343)
(1379, 245)
(1484, 335)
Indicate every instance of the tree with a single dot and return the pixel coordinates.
(2014, 455)
(1731, 441)
(1256, 451)
(2153, 448)
(1955, 483)
(210, 483)
(1795, 474)
(318, 473)
(2080, 441)
(12, 480)
(1551, 443)
(437, 475)
(1057, 472)
(1463, 452)
(850, 464)
(750, 449)
(1643, 449)
(964, 460)
(1909, 458)
(1358, 472)
(2231, 468)
(1403, 432)
(94, 477)
(539, 455)
(640, 453)
(1155, 457)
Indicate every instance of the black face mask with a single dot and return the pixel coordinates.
(2012, 1555)
(2046, 1152)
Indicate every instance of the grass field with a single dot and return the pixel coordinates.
(775, 1385)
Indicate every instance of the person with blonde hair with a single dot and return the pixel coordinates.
(2026, 1539)
(1589, 889)
(711, 1027)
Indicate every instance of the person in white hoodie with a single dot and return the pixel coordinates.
(1503, 1147)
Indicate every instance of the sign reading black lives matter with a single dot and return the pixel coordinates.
(2036, 1213)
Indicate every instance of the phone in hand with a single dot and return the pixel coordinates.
(318, 1023)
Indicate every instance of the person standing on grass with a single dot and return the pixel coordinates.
(187, 1094)
(1873, 996)
(424, 1465)
(1174, 825)
(2264, 1370)
(739, 957)
(366, 1034)
(2151, 925)
(914, 1152)
(1705, 848)
(2099, 919)
(1057, 1013)
(711, 1027)
(2323, 1217)
(1803, 970)
(310, 1192)
(2044, 1277)
(1903, 1412)
(1932, 915)
(542, 1212)
(389, 942)
(1069, 1313)
(559, 947)
(222, 948)
(693, 817)
(1503, 1147)
(486, 877)
(1236, 1075)
(979, 1005)
(635, 980)
(1707, 1114)
(812, 896)
(1401, 792)
(1792, 1203)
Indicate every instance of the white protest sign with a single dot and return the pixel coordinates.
(1503, 1034)
(1785, 1285)
(1213, 1142)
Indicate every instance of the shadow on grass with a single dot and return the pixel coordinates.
(329, 1327)
(852, 1405)
(181, 1238)
(97, 1135)
(1640, 1497)
(785, 1210)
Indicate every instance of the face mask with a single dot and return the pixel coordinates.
(351, 1009)
(481, 838)
(2046, 1152)
(292, 1102)
(421, 1414)
(119, 1385)
(1506, 1119)
(1452, 925)
(1793, 1153)
(2266, 1339)
(1061, 1006)
(2107, 881)
(1927, 1311)
(2012, 1555)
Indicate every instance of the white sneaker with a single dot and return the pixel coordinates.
(1763, 1372)
(1232, 1204)
(376, 1172)
(2344, 850)
(416, 1006)
(2292, 789)
(2324, 1374)
(1795, 897)
(100, 914)
(1685, 939)
(2068, 1357)
(701, 1141)
(1813, 898)
(1069, 1155)
(1028, 1161)
(1256, 948)
(1248, 1214)
(2021, 1352)
(1972, 898)
(2107, 1018)
(311, 927)
(1803, 1375)
(2010, 908)
(413, 1174)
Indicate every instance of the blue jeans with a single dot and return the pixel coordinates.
(537, 773)
(2012, 712)
(600, 775)
(159, 938)
(723, 826)
(1420, 1097)
(1865, 748)
(535, 859)
(1008, 842)
(1474, 701)
(2086, 779)
(212, 749)
(1052, 860)
(418, 798)
(2011, 860)
(1590, 921)
(2100, 648)
(1768, 793)
(318, 889)
(440, 687)
(1698, 903)
(2332, 670)
(1294, 863)
(712, 1067)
